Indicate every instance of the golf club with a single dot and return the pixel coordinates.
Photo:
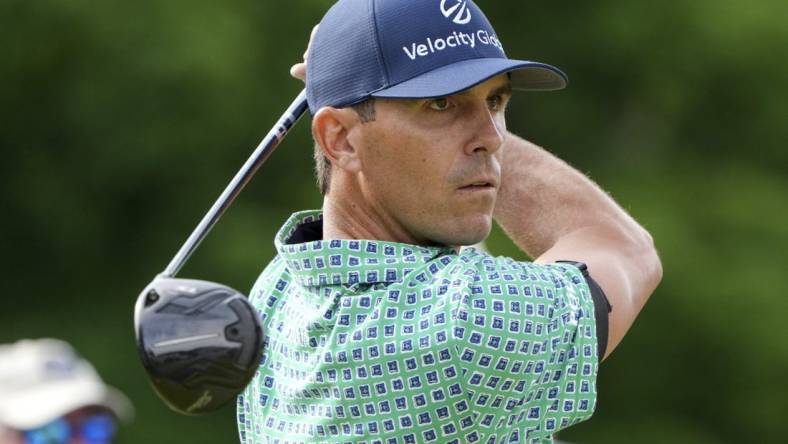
(201, 342)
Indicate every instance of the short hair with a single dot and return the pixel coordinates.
(366, 114)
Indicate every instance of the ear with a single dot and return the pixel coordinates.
(330, 128)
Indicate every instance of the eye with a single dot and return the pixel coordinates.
(440, 104)
(495, 103)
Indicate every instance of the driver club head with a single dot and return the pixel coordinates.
(200, 342)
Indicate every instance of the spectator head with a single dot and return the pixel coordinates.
(50, 395)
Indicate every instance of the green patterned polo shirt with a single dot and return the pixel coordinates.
(387, 343)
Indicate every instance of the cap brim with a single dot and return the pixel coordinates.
(459, 76)
(42, 405)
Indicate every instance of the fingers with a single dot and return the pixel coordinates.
(299, 69)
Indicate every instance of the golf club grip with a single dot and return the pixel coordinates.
(244, 175)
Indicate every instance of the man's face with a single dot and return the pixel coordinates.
(431, 168)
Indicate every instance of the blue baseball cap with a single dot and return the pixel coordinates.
(410, 49)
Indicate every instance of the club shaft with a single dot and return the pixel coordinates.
(244, 175)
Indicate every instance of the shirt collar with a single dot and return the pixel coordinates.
(315, 262)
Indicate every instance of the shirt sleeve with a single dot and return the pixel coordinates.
(602, 307)
(529, 345)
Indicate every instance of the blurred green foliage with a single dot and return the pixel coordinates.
(122, 121)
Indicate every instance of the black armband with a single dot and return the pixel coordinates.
(602, 307)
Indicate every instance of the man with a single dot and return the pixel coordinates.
(49, 395)
(380, 328)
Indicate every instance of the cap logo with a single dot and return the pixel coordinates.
(459, 12)
(59, 367)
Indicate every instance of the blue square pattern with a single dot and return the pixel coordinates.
(464, 348)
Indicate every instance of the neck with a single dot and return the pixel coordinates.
(348, 219)
(350, 213)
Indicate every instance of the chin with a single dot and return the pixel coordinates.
(466, 231)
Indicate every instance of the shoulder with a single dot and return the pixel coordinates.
(488, 269)
(508, 301)
(505, 285)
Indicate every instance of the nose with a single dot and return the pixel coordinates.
(488, 130)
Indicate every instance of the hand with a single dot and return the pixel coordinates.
(299, 69)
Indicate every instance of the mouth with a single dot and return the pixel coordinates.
(480, 184)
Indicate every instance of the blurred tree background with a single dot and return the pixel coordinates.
(121, 122)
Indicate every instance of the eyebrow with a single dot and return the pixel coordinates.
(502, 90)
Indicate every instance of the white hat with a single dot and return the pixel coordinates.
(41, 380)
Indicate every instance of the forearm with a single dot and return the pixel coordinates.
(542, 200)
(553, 212)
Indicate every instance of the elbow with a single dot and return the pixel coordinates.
(657, 270)
(651, 264)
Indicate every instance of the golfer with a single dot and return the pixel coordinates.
(381, 327)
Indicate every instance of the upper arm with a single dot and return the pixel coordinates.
(627, 269)
(528, 329)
